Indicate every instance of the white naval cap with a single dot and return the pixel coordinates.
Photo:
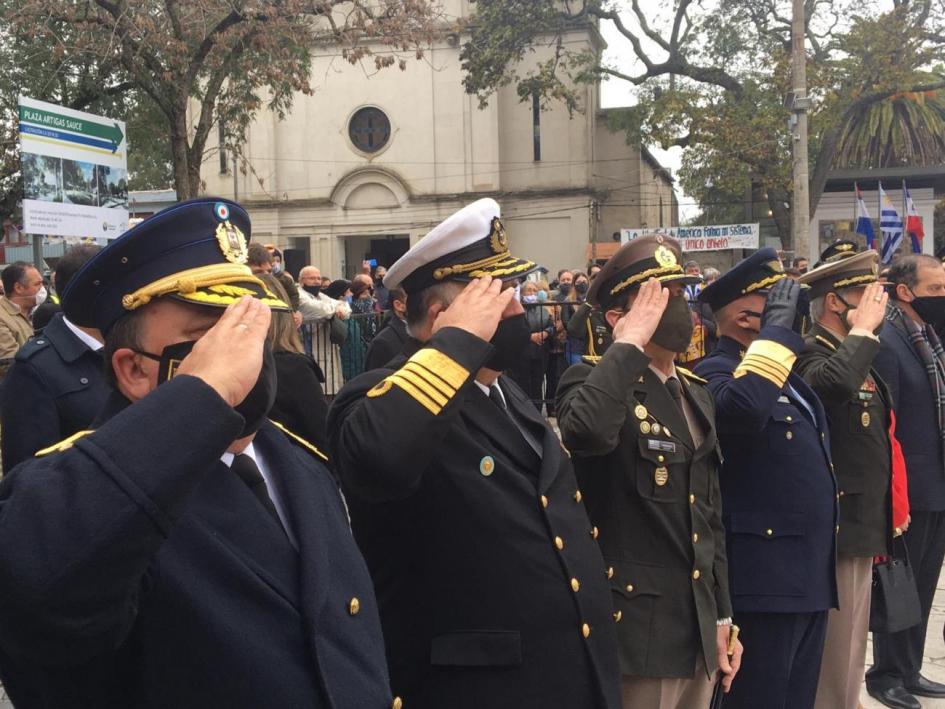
(469, 244)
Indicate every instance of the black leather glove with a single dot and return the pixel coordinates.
(781, 305)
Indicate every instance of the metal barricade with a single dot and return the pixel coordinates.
(340, 348)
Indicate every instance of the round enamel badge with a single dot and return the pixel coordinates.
(222, 211)
(487, 466)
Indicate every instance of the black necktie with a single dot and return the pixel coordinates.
(675, 390)
(496, 395)
(245, 468)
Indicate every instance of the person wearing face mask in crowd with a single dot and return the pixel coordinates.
(529, 371)
(285, 279)
(911, 362)
(848, 306)
(556, 353)
(23, 292)
(324, 325)
(199, 555)
(642, 434)
(493, 590)
(575, 316)
(589, 335)
(779, 495)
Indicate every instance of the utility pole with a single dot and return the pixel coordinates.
(800, 104)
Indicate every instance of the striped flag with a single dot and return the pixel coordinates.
(914, 226)
(864, 225)
(890, 225)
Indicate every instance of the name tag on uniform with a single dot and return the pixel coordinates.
(654, 445)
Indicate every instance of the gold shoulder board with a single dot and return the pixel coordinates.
(591, 359)
(691, 375)
(301, 441)
(826, 343)
(62, 445)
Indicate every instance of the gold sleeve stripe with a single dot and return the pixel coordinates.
(777, 353)
(423, 385)
(763, 363)
(431, 379)
(445, 368)
(750, 367)
(62, 445)
(417, 395)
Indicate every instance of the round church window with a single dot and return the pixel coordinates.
(369, 129)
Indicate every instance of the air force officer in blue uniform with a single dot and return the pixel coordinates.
(778, 489)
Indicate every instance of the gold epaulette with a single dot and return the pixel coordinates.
(825, 342)
(430, 377)
(768, 359)
(691, 375)
(301, 441)
(63, 445)
(591, 359)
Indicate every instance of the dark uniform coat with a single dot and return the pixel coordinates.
(137, 570)
(778, 489)
(656, 500)
(55, 387)
(387, 344)
(857, 405)
(492, 588)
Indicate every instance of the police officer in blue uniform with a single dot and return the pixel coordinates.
(56, 384)
(778, 488)
(184, 551)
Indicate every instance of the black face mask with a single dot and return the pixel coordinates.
(675, 329)
(582, 287)
(254, 408)
(931, 308)
(314, 290)
(564, 288)
(510, 340)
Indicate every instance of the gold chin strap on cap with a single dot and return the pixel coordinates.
(187, 282)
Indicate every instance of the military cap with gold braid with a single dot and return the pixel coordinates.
(194, 252)
(838, 249)
(470, 243)
(855, 270)
(634, 263)
(755, 274)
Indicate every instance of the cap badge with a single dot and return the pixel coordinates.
(222, 211)
(498, 239)
(232, 242)
(665, 257)
(844, 247)
(775, 266)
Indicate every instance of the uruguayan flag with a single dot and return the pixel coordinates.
(890, 225)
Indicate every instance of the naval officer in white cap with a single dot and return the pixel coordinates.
(492, 589)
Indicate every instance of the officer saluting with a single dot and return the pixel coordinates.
(643, 437)
(847, 305)
(186, 552)
(492, 588)
(778, 489)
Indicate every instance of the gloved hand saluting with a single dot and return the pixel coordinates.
(781, 305)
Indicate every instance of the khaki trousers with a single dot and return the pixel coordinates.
(841, 669)
(655, 693)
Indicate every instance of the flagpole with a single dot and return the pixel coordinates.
(856, 197)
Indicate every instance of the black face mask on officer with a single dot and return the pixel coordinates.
(254, 408)
(675, 329)
(510, 340)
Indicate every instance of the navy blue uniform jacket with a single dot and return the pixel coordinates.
(779, 495)
(55, 387)
(916, 419)
(137, 570)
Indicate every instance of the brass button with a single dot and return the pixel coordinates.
(617, 616)
(769, 532)
(610, 572)
(788, 418)
(692, 499)
(660, 458)
(398, 703)
(544, 501)
(354, 605)
(822, 436)
(789, 435)
(840, 494)
(575, 585)
(696, 574)
(585, 630)
(629, 588)
(595, 532)
(695, 537)
(559, 543)
(577, 495)
(836, 530)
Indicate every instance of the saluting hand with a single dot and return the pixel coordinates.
(229, 356)
(869, 313)
(478, 309)
(637, 326)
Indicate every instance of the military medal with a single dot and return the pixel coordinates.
(661, 475)
(640, 412)
(644, 427)
(865, 418)
(656, 428)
